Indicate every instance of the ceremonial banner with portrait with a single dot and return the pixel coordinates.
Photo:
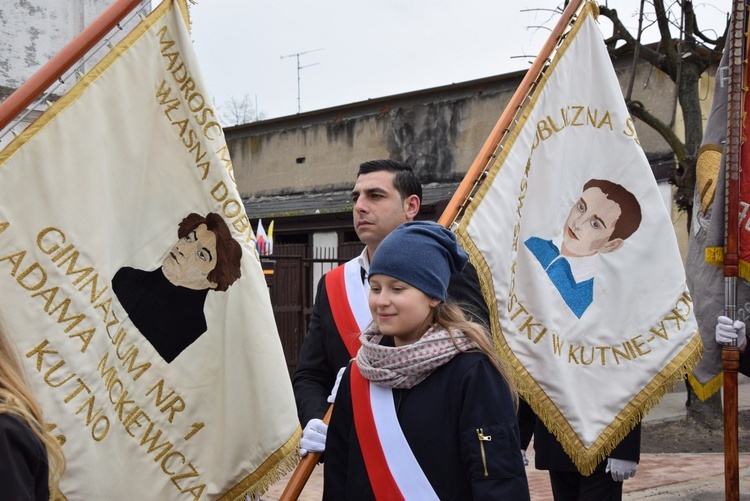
(581, 266)
(132, 286)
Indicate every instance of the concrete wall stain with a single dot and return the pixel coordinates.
(341, 131)
(425, 136)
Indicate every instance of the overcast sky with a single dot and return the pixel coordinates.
(355, 50)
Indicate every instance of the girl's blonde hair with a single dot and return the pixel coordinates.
(451, 317)
(16, 398)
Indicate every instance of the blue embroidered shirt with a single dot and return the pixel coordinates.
(577, 295)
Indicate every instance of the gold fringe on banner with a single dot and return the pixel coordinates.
(277, 465)
(715, 256)
(704, 391)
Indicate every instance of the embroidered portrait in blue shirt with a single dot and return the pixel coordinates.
(598, 223)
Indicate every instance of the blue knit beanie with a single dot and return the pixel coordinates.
(423, 254)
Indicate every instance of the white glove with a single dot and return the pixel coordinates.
(621, 469)
(728, 331)
(313, 437)
(332, 396)
(525, 459)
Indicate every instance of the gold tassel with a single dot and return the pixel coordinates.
(287, 465)
(715, 256)
(594, 6)
(704, 391)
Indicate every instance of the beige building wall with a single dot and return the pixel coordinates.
(440, 135)
(438, 131)
(313, 157)
(657, 93)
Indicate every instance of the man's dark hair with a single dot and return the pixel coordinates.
(405, 181)
(228, 250)
(630, 215)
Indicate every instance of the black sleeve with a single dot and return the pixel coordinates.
(494, 463)
(526, 422)
(464, 289)
(312, 380)
(745, 364)
(322, 354)
(337, 443)
(23, 462)
(630, 447)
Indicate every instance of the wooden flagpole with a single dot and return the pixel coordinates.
(730, 356)
(64, 60)
(303, 471)
(487, 152)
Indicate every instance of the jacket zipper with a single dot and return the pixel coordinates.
(482, 439)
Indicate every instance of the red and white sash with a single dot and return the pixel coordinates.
(393, 470)
(348, 299)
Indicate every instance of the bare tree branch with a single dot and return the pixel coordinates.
(683, 59)
(621, 34)
(238, 111)
(639, 111)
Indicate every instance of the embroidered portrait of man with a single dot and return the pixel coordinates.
(599, 222)
(166, 304)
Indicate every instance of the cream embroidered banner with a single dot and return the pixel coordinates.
(131, 284)
(584, 277)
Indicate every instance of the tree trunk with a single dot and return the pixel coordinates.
(707, 413)
(684, 175)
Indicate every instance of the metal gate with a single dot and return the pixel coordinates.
(292, 289)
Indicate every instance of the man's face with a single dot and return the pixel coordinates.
(590, 223)
(191, 259)
(378, 208)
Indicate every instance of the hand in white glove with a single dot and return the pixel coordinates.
(332, 396)
(728, 331)
(525, 459)
(313, 437)
(621, 469)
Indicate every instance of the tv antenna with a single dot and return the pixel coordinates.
(297, 55)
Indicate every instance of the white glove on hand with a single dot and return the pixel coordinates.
(525, 459)
(332, 396)
(621, 469)
(313, 437)
(727, 331)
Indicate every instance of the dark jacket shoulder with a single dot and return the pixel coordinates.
(23, 461)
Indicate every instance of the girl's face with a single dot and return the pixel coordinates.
(400, 310)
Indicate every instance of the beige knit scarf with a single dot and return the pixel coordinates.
(407, 366)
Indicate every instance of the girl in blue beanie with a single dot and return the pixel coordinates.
(426, 410)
